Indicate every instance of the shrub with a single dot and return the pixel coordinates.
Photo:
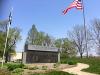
(25, 67)
(18, 70)
(63, 60)
(11, 67)
(33, 68)
(21, 65)
(44, 67)
(72, 62)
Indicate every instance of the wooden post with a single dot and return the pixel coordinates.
(59, 55)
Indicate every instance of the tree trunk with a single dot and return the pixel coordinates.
(81, 54)
(87, 54)
(6, 57)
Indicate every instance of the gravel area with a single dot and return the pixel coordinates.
(50, 67)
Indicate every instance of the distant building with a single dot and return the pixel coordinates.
(40, 54)
(16, 57)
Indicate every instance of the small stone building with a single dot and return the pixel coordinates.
(40, 54)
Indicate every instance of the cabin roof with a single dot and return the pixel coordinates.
(41, 48)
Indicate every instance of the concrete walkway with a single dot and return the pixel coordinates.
(77, 70)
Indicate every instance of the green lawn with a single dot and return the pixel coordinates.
(93, 62)
(54, 73)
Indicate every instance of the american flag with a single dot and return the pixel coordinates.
(76, 3)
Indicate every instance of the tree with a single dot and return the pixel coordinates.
(47, 40)
(2, 40)
(78, 37)
(13, 38)
(32, 35)
(58, 43)
(38, 38)
(96, 33)
(69, 48)
(3, 30)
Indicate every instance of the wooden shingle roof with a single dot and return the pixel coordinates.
(40, 48)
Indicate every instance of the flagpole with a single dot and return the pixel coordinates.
(85, 29)
(9, 24)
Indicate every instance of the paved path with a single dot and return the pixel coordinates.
(77, 70)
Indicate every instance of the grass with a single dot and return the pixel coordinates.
(94, 65)
(11, 69)
(4, 65)
(54, 73)
(93, 62)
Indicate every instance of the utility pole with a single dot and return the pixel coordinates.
(8, 26)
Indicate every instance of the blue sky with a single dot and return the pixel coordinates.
(47, 16)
